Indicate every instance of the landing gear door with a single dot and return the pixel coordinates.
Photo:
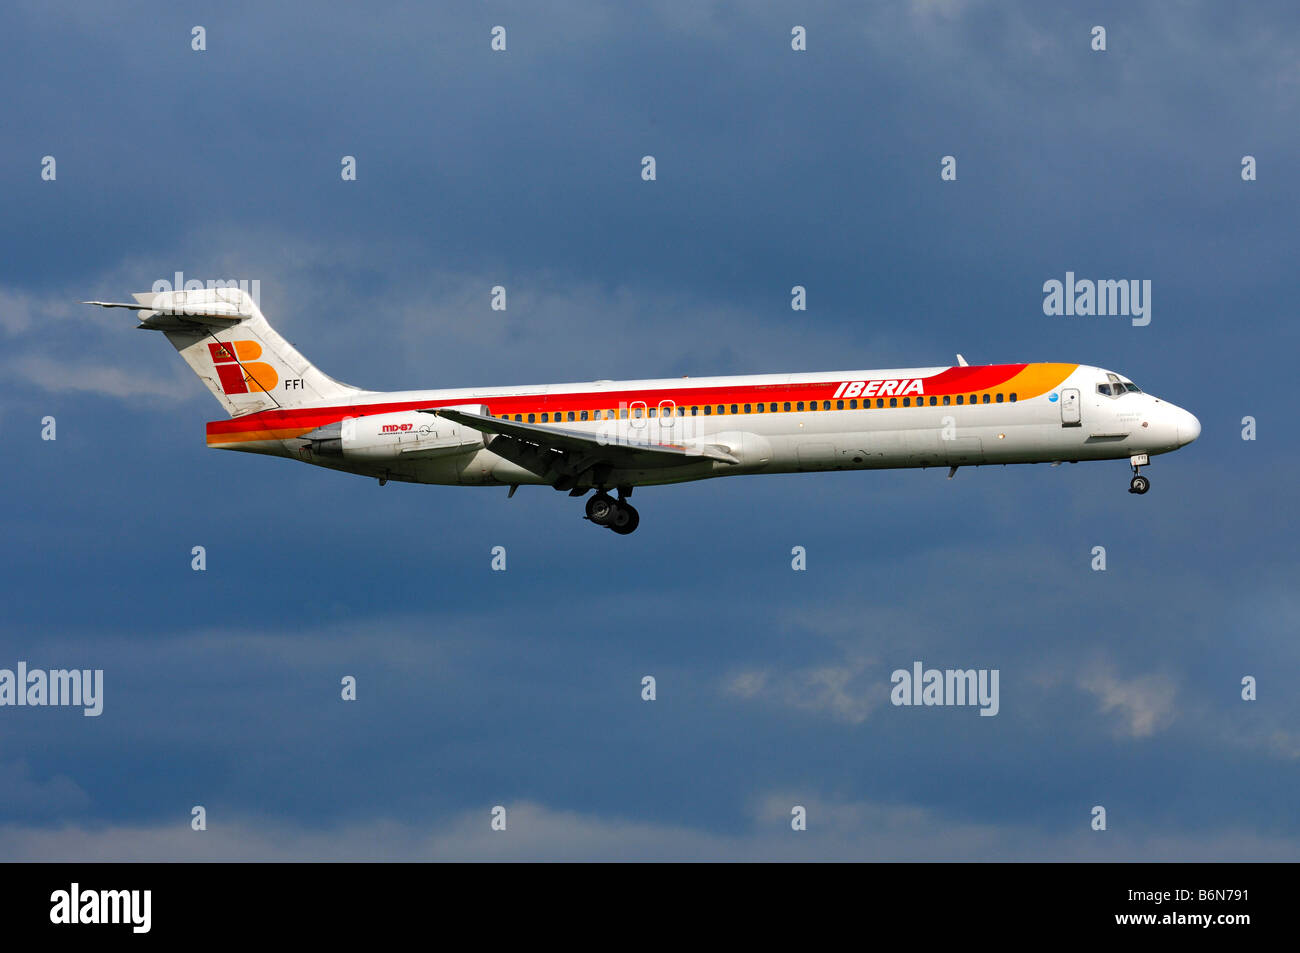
(1070, 407)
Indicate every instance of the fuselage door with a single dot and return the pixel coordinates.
(1070, 407)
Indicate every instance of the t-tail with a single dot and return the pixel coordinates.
(223, 336)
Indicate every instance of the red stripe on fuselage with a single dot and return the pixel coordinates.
(954, 380)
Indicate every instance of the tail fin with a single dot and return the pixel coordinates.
(223, 337)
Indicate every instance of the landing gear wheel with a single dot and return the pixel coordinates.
(626, 520)
(1139, 484)
(601, 509)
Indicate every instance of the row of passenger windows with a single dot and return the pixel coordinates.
(707, 410)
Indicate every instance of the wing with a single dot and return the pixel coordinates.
(561, 456)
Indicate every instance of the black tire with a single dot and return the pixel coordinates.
(601, 509)
(623, 528)
(1139, 485)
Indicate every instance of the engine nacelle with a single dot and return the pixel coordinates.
(408, 435)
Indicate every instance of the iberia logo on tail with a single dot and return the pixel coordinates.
(239, 369)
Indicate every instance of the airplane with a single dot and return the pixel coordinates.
(603, 436)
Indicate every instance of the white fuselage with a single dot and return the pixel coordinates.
(911, 417)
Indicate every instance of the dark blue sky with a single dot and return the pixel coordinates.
(522, 688)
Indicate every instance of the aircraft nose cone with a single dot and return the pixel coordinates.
(1189, 428)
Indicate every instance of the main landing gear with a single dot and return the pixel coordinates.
(1139, 484)
(618, 515)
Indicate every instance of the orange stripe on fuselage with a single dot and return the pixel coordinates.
(1026, 380)
(1037, 379)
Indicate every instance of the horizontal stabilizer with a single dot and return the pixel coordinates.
(169, 311)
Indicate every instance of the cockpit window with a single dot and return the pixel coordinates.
(1117, 387)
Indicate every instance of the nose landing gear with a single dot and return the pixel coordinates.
(618, 515)
(1139, 484)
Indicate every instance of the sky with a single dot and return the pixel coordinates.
(522, 688)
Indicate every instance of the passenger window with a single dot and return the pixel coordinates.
(947, 401)
(799, 405)
(839, 405)
(813, 405)
(853, 404)
(681, 411)
(961, 398)
(787, 407)
(893, 402)
(749, 409)
(531, 418)
(973, 398)
(570, 416)
(708, 409)
(907, 402)
(933, 401)
(880, 402)
(826, 405)
(622, 413)
(637, 413)
(1013, 397)
(584, 415)
(986, 398)
(999, 398)
(695, 411)
(773, 408)
(650, 412)
(761, 407)
(544, 417)
(734, 408)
